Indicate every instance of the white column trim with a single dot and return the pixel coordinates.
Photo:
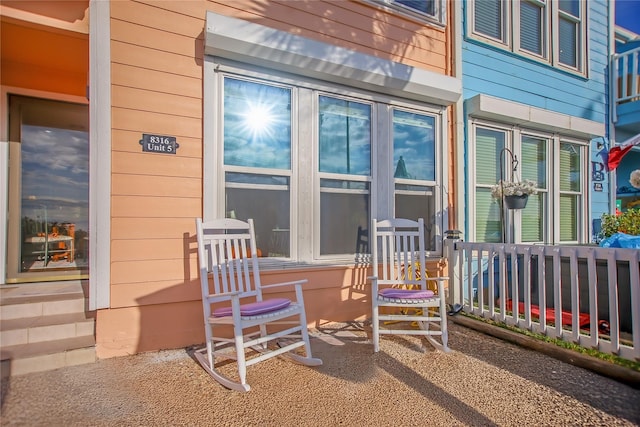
(99, 155)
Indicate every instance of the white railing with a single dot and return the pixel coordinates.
(582, 294)
(625, 85)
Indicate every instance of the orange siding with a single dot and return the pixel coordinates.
(140, 319)
(145, 249)
(157, 58)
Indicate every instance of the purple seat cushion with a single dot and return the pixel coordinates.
(255, 308)
(406, 293)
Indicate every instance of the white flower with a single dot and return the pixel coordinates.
(634, 178)
(511, 188)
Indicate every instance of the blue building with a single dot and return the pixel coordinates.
(535, 107)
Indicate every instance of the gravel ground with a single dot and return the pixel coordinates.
(483, 381)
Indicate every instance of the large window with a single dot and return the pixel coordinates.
(312, 164)
(553, 215)
(553, 31)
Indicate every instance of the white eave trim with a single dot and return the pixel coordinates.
(256, 44)
(496, 109)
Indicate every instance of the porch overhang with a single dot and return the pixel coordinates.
(245, 41)
(488, 107)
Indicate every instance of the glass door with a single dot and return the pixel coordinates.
(48, 226)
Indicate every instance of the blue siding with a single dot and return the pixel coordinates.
(502, 74)
(499, 73)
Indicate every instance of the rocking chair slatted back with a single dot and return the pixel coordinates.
(230, 261)
(399, 249)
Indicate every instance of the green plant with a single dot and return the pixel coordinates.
(612, 358)
(627, 222)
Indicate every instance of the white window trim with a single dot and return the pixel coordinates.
(439, 18)
(511, 28)
(583, 221)
(504, 43)
(305, 187)
(545, 31)
(549, 176)
(505, 111)
(256, 44)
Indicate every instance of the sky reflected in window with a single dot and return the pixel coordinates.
(257, 125)
(55, 175)
(345, 136)
(414, 155)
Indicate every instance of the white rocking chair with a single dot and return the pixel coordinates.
(227, 253)
(400, 286)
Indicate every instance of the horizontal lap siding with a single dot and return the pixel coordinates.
(511, 76)
(156, 76)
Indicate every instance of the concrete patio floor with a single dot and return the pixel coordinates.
(483, 381)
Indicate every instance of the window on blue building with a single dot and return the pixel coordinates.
(552, 216)
(552, 31)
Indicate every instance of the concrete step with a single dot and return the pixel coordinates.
(41, 308)
(34, 300)
(45, 327)
(47, 355)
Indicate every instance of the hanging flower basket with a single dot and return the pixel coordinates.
(515, 194)
(516, 202)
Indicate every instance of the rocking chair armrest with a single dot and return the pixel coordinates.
(275, 285)
(222, 296)
(438, 278)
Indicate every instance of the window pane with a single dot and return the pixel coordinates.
(488, 17)
(423, 6)
(531, 27)
(54, 184)
(533, 218)
(534, 160)
(571, 7)
(414, 206)
(414, 150)
(342, 216)
(489, 144)
(268, 205)
(488, 225)
(568, 42)
(568, 217)
(570, 174)
(257, 125)
(534, 167)
(345, 136)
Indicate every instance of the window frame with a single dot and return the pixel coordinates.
(319, 176)
(513, 141)
(551, 17)
(305, 187)
(439, 17)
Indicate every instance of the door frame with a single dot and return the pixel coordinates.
(13, 273)
(5, 91)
